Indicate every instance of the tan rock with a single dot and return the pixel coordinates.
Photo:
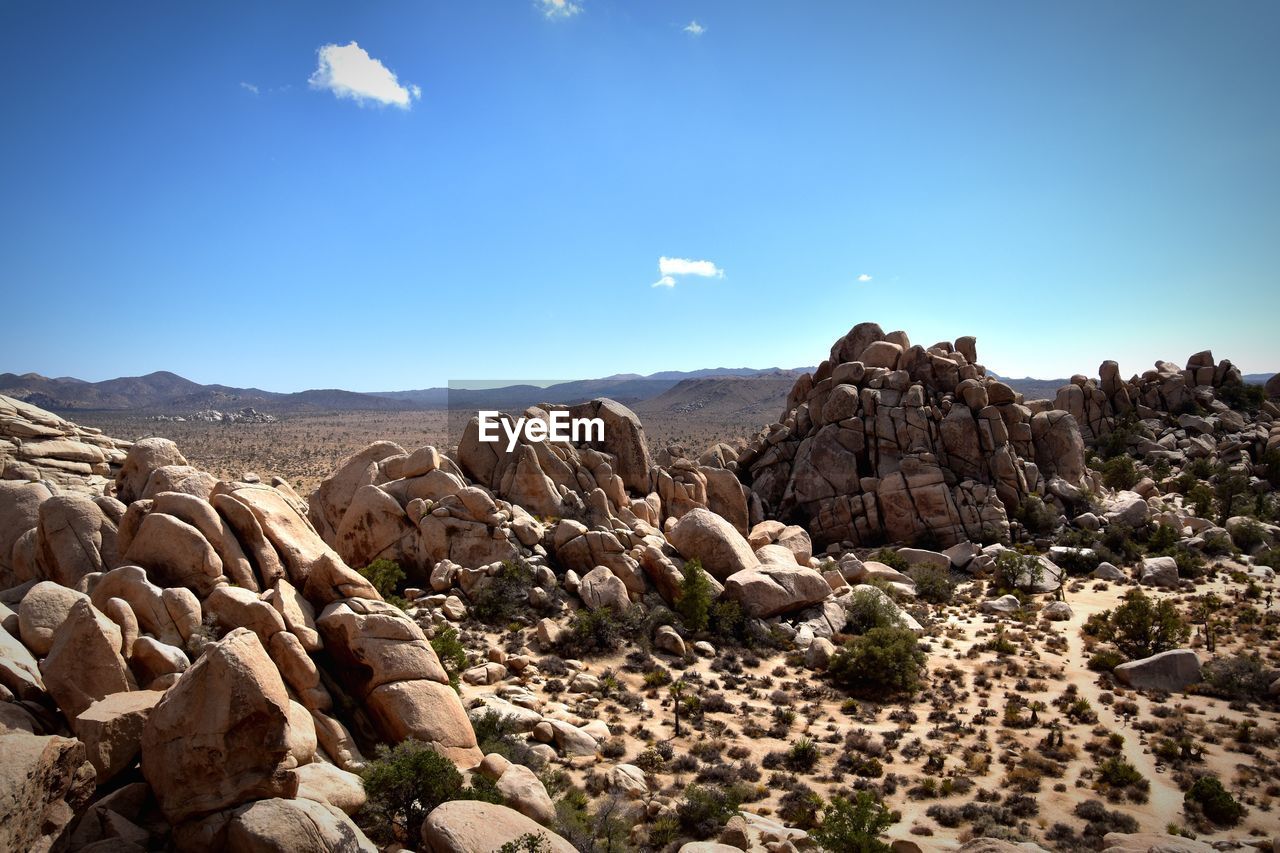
(201, 515)
(144, 457)
(45, 606)
(175, 554)
(468, 826)
(523, 791)
(44, 783)
(70, 537)
(711, 539)
(220, 736)
(19, 672)
(84, 663)
(325, 783)
(111, 730)
(429, 712)
(279, 825)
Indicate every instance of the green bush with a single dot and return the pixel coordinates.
(1119, 472)
(1014, 571)
(854, 826)
(1201, 499)
(705, 809)
(883, 660)
(693, 602)
(867, 609)
(1214, 801)
(891, 558)
(1240, 676)
(386, 577)
(1243, 396)
(597, 632)
(1105, 660)
(1141, 627)
(448, 648)
(405, 782)
(1248, 535)
(1036, 516)
(933, 584)
(528, 843)
(802, 756)
(503, 595)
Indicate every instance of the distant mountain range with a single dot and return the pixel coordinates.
(165, 392)
(720, 390)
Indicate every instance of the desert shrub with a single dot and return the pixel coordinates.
(892, 559)
(705, 809)
(1240, 676)
(1119, 472)
(1100, 820)
(1271, 459)
(386, 577)
(726, 621)
(881, 660)
(1036, 516)
(1243, 396)
(601, 631)
(504, 594)
(693, 602)
(1214, 801)
(867, 609)
(405, 782)
(933, 584)
(799, 807)
(1141, 627)
(1077, 561)
(1122, 434)
(802, 757)
(528, 843)
(1201, 499)
(1014, 571)
(1116, 776)
(854, 826)
(1248, 535)
(1105, 660)
(453, 657)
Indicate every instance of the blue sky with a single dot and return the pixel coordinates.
(193, 187)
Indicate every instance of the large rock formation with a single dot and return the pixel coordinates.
(886, 440)
(39, 446)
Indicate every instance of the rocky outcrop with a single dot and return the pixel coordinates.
(723, 551)
(887, 440)
(38, 446)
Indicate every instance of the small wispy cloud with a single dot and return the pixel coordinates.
(864, 277)
(350, 72)
(249, 87)
(559, 8)
(669, 268)
(693, 28)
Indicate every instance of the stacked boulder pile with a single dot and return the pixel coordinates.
(1180, 412)
(39, 446)
(195, 652)
(890, 441)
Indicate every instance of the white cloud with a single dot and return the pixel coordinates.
(559, 8)
(249, 87)
(684, 266)
(350, 72)
(672, 267)
(864, 277)
(695, 29)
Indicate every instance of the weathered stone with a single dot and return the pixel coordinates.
(468, 826)
(1170, 671)
(111, 730)
(84, 663)
(703, 535)
(44, 783)
(220, 736)
(45, 606)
